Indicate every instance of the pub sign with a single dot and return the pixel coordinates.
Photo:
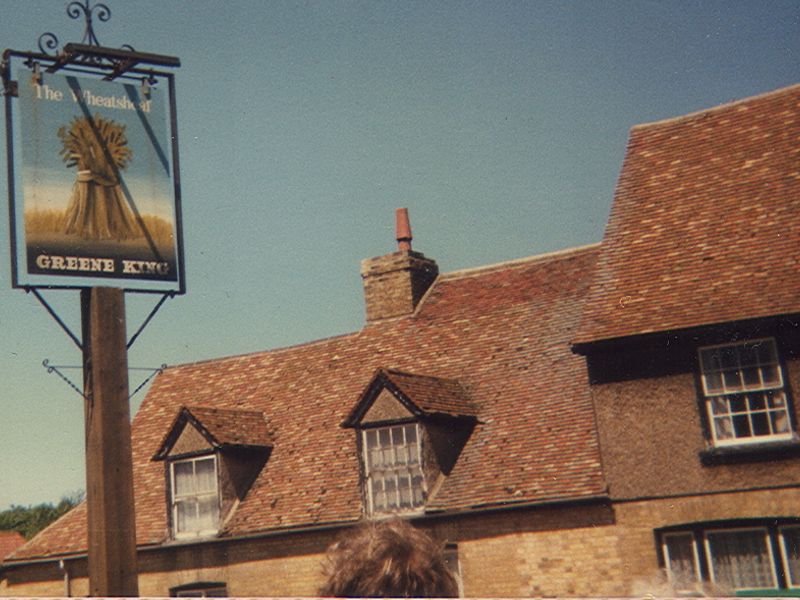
(98, 202)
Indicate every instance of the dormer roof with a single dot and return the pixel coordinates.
(220, 428)
(422, 396)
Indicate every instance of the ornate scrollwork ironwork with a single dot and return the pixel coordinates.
(48, 44)
(76, 9)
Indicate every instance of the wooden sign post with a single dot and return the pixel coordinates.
(109, 463)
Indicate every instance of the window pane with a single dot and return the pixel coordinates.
(760, 424)
(378, 495)
(777, 399)
(757, 401)
(741, 426)
(724, 428)
(372, 438)
(418, 485)
(771, 376)
(737, 403)
(780, 421)
(181, 515)
(375, 459)
(732, 380)
(767, 354)
(728, 357)
(391, 492)
(681, 560)
(397, 436)
(713, 382)
(206, 474)
(406, 498)
(791, 553)
(402, 455)
(385, 437)
(748, 355)
(752, 378)
(184, 478)
(741, 559)
(208, 513)
(411, 434)
(719, 405)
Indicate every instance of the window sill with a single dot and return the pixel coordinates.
(750, 452)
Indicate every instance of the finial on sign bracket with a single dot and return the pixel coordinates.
(48, 42)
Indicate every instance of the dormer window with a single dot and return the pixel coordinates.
(195, 496)
(212, 456)
(393, 461)
(410, 431)
(744, 393)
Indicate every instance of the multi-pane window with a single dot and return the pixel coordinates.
(195, 496)
(744, 392)
(735, 559)
(394, 468)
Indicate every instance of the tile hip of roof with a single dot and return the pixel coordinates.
(705, 225)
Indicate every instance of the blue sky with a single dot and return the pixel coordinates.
(304, 124)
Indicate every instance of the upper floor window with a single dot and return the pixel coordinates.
(744, 392)
(393, 464)
(195, 496)
(748, 558)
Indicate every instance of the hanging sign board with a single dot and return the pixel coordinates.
(98, 203)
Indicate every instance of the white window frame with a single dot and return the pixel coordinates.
(174, 499)
(409, 471)
(767, 544)
(747, 391)
(701, 536)
(792, 584)
(695, 558)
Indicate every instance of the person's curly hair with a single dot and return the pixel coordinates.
(388, 559)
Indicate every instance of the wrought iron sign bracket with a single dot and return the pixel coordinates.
(58, 368)
(51, 311)
(118, 61)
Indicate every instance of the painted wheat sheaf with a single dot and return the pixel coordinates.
(97, 209)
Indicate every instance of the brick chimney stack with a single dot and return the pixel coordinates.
(395, 283)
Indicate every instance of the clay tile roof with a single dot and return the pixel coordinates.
(501, 332)
(705, 226)
(10, 541)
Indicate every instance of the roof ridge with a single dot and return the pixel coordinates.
(517, 262)
(714, 109)
(267, 351)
